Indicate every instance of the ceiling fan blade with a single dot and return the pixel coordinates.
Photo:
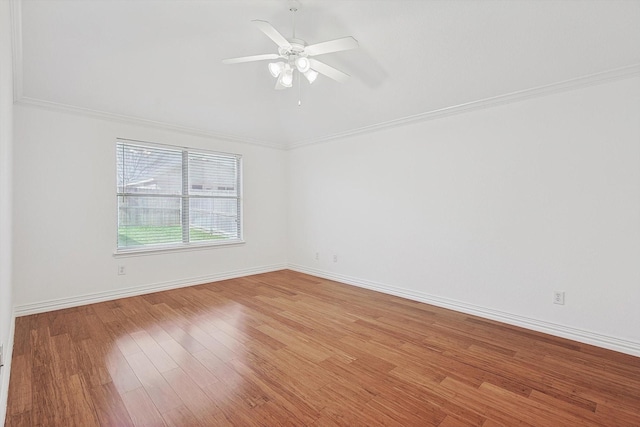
(251, 58)
(272, 33)
(328, 71)
(331, 46)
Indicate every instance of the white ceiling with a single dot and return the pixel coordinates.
(161, 60)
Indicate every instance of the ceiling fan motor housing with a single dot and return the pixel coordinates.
(297, 48)
(294, 54)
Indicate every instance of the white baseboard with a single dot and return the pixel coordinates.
(6, 371)
(61, 303)
(587, 337)
(579, 335)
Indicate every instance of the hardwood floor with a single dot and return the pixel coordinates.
(289, 349)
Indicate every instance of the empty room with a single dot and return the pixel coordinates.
(319, 213)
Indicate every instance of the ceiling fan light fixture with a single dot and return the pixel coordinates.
(303, 64)
(275, 68)
(286, 78)
(311, 75)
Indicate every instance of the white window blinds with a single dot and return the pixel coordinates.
(173, 196)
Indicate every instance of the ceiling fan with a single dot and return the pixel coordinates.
(295, 55)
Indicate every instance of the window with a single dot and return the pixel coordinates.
(176, 197)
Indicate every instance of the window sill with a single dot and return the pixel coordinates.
(122, 253)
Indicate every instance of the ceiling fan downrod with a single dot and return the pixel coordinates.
(293, 8)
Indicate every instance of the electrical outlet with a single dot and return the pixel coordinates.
(335, 258)
(122, 270)
(317, 256)
(558, 297)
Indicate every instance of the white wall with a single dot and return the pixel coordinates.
(65, 212)
(488, 212)
(6, 143)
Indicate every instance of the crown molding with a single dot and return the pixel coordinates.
(16, 47)
(20, 99)
(48, 105)
(563, 86)
(540, 91)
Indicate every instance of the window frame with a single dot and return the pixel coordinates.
(184, 199)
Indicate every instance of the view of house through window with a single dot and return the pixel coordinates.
(174, 196)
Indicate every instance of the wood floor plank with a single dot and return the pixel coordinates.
(450, 421)
(20, 386)
(141, 409)
(180, 417)
(109, 407)
(289, 349)
(120, 372)
(189, 364)
(194, 398)
(153, 382)
(156, 354)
